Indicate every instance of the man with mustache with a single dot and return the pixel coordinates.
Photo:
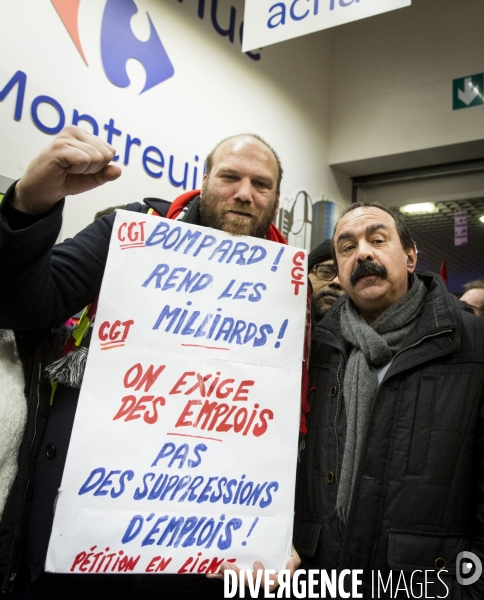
(42, 286)
(391, 478)
(324, 280)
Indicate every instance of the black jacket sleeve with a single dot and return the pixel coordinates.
(476, 590)
(42, 285)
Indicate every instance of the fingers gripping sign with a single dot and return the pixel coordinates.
(260, 578)
(75, 162)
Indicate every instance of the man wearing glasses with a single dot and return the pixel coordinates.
(324, 280)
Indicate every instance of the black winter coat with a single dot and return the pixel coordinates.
(25, 271)
(419, 495)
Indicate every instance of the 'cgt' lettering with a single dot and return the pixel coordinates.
(116, 332)
(132, 232)
(297, 272)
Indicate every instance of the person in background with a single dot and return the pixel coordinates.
(474, 296)
(13, 411)
(107, 211)
(324, 280)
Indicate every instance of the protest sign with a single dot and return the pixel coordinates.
(183, 451)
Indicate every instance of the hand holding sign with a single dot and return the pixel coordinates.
(233, 576)
(192, 393)
(75, 162)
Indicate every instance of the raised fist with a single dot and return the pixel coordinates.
(75, 162)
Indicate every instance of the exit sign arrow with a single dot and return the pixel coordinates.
(468, 91)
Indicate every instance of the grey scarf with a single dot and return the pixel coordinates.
(373, 347)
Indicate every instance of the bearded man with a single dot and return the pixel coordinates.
(391, 478)
(42, 286)
(324, 280)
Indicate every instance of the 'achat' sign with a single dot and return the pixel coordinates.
(267, 22)
(184, 446)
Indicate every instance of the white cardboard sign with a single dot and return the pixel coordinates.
(183, 451)
(267, 22)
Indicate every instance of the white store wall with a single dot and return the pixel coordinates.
(216, 91)
(391, 101)
(366, 97)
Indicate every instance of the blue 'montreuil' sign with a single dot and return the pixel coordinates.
(268, 21)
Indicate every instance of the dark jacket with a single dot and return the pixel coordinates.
(419, 496)
(59, 281)
(28, 239)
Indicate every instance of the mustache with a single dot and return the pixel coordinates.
(240, 207)
(329, 290)
(367, 267)
(240, 212)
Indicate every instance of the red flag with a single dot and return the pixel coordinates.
(443, 273)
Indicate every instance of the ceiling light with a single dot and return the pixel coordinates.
(423, 207)
(481, 219)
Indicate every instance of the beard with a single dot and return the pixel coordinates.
(318, 299)
(223, 217)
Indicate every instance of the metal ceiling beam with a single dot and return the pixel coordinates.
(419, 173)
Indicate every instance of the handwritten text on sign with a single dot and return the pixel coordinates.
(184, 445)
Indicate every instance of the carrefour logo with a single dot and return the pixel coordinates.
(119, 44)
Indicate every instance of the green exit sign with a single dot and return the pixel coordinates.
(468, 91)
